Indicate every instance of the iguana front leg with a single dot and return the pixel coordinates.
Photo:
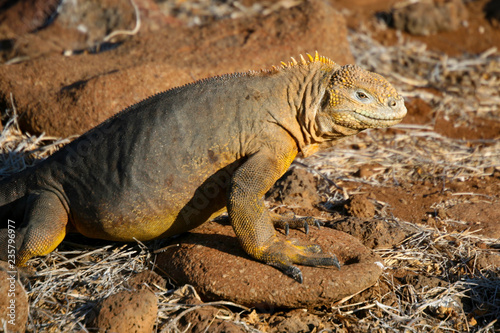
(252, 222)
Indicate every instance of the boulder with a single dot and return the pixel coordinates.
(211, 259)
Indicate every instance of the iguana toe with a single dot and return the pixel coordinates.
(312, 248)
(283, 254)
(316, 257)
(293, 272)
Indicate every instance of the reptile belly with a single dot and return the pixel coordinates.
(149, 212)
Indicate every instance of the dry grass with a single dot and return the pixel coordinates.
(413, 153)
(201, 11)
(20, 150)
(69, 283)
(467, 300)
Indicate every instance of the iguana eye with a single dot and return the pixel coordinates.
(361, 95)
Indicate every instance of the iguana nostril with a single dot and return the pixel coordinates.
(392, 103)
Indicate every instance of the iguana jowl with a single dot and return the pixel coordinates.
(179, 158)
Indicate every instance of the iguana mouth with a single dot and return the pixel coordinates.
(364, 116)
(370, 122)
(355, 119)
(380, 118)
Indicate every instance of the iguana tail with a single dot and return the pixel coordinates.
(12, 188)
(13, 196)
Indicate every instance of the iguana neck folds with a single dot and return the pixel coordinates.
(332, 101)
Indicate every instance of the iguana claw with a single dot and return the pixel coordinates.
(295, 273)
(283, 254)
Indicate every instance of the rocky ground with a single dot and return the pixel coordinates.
(422, 199)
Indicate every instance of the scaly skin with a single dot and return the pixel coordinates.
(177, 159)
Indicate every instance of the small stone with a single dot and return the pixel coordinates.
(128, 311)
(218, 268)
(147, 279)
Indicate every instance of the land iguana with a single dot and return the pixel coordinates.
(179, 158)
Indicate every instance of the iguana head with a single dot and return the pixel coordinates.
(357, 99)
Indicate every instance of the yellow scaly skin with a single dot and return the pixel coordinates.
(179, 158)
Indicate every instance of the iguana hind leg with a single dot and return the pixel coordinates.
(252, 221)
(43, 228)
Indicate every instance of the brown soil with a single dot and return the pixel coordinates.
(477, 35)
(477, 128)
(455, 206)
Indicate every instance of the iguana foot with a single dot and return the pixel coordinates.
(283, 254)
(291, 221)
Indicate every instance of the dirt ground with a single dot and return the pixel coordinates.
(454, 205)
